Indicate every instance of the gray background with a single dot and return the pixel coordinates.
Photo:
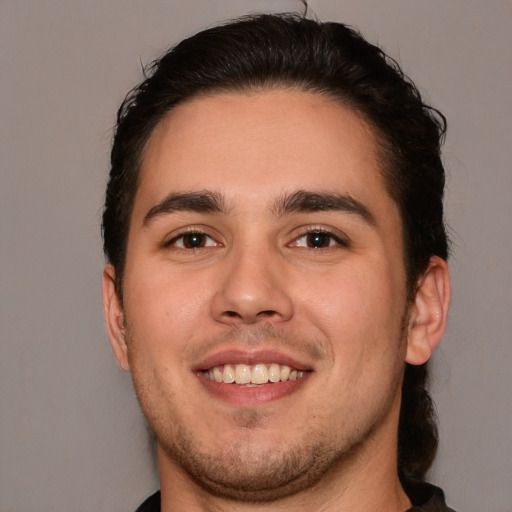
(72, 437)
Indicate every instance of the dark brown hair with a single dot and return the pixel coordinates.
(333, 59)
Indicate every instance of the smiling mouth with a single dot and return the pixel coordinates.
(252, 375)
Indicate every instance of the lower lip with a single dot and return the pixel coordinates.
(250, 396)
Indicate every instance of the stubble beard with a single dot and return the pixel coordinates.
(245, 472)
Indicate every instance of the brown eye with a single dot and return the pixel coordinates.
(192, 241)
(318, 240)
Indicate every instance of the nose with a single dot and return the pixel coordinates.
(252, 288)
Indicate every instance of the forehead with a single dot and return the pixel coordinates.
(273, 139)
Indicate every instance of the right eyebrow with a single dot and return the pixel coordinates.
(202, 202)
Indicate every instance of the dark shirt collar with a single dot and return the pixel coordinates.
(425, 497)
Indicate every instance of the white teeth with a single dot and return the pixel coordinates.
(242, 374)
(258, 374)
(285, 372)
(274, 373)
(217, 374)
(228, 375)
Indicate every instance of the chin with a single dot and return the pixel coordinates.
(248, 472)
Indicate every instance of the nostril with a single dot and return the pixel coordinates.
(262, 314)
(268, 312)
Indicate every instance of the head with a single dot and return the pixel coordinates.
(333, 61)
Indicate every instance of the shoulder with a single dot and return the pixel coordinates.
(152, 504)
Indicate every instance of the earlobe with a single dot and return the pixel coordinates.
(429, 312)
(114, 317)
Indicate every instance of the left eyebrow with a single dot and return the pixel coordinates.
(304, 201)
(201, 202)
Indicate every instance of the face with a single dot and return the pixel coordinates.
(264, 292)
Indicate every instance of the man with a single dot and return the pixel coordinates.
(277, 277)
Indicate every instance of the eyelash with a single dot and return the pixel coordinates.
(338, 241)
(191, 232)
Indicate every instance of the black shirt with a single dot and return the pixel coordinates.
(424, 497)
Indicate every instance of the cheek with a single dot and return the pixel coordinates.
(162, 307)
(356, 309)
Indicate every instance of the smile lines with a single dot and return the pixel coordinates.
(256, 374)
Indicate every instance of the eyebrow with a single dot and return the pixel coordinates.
(201, 202)
(296, 202)
(305, 201)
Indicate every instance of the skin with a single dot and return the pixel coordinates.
(258, 289)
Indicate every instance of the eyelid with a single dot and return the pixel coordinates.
(189, 230)
(338, 236)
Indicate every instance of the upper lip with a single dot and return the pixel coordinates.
(250, 358)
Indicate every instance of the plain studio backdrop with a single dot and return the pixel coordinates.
(71, 436)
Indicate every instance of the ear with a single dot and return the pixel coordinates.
(114, 317)
(429, 312)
